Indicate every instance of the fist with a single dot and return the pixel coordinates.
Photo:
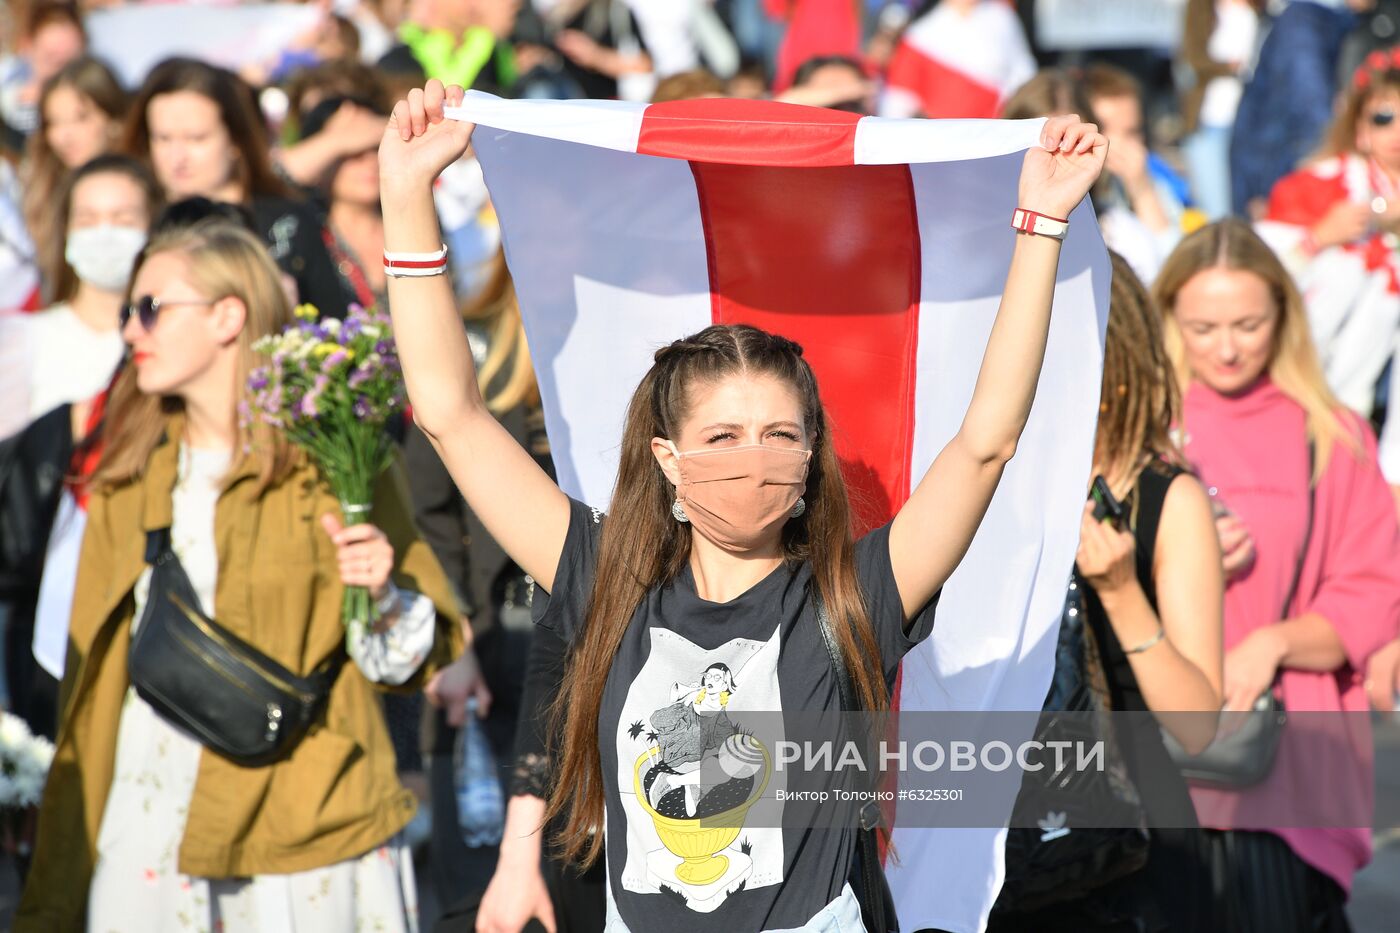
(1106, 556)
(1056, 176)
(451, 687)
(1127, 161)
(364, 554)
(420, 141)
(1236, 545)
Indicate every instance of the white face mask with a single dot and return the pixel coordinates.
(103, 256)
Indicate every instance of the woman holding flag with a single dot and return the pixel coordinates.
(729, 542)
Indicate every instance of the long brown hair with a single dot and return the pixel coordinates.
(1293, 364)
(60, 276)
(1378, 75)
(43, 171)
(507, 377)
(642, 547)
(224, 260)
(238, 111)
(1049, 91)
(1140, 401)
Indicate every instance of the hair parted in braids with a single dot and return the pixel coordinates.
(642, 547)
(1140, 401)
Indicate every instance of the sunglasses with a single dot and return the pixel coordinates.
(1382, 118)
(146, 309)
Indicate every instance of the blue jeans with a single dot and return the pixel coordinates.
(1207, 153)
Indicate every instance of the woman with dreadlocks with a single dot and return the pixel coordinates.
(1152, 594)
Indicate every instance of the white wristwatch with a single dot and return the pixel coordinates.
(1039, 224)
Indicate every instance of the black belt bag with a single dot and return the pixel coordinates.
(201, 677)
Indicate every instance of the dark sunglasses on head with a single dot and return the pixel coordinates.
(146, 309)
(1382, 118)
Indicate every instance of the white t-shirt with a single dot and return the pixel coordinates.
(1236, 29)
(69, 361)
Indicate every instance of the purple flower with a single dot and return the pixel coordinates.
(258, 379)
(361, 374)
(363, 408)
(338, 358)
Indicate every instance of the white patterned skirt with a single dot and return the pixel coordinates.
(137, 887)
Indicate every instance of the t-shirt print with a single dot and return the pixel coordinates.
(690, 774)
(695, 840)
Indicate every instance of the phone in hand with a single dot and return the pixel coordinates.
(1106, 506)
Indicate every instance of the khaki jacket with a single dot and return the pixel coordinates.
(337, 796)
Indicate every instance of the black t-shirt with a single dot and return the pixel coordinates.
(295, 237)
(684, 676)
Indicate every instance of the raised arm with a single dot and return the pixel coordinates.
(516, 501)
(935, 526)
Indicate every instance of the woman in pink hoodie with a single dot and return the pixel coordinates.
(1299, 494)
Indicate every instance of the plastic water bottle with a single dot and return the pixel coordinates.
(481, 808)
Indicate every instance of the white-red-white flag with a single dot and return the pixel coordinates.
(958, 62)
(881, 246)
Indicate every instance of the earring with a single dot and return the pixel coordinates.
(799, 508)
(678, 512)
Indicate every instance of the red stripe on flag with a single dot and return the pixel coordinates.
(829, 257)
(943, 91)
(749, 132)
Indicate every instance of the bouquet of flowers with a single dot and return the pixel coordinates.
(332, 386)
(24, 766)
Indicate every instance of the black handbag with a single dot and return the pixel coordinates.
(201, 677)
(867, 876)
(1073, 830)
(1244, 757)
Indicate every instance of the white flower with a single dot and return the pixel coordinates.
(28, 788)
(331, 325)
(372, 330)
(42, 751)
(9, 796)
(35, 761)
(14, 734)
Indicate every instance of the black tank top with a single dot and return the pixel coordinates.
(1164, 792)
(1145, 512)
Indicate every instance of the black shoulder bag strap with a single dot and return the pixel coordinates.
(875, 905)
(1307, 532)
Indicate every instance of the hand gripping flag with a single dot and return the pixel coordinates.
(881, 246)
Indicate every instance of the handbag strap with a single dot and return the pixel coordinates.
(872, 904)
(1307, 530)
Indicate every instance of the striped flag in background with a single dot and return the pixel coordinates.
(882, 247)
(956, 62)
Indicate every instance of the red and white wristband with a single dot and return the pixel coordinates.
(1039, 224)
(405, 265)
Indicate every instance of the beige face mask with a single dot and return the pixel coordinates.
(736, 496)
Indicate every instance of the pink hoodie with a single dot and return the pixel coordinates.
(1250, 451)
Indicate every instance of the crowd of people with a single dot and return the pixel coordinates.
(153, 230)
